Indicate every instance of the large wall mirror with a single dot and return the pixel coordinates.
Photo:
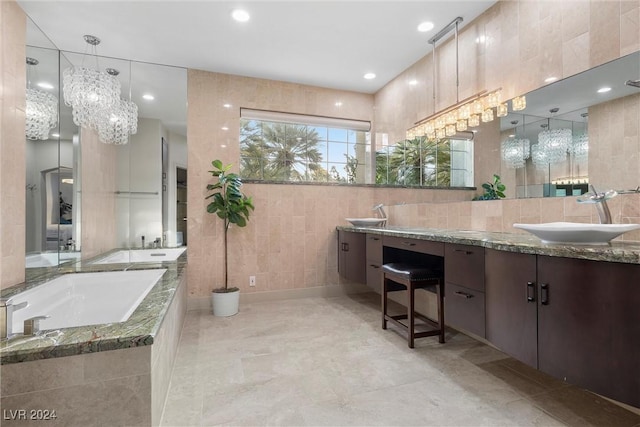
(585, 119)
(68, 179)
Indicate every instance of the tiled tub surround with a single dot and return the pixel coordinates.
(85, 299)
(141, 255)
(113, 374)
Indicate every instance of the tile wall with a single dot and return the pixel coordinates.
(99, 179)
(12, 148)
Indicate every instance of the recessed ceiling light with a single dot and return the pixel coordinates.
(45, 85)
(512, 135)
(148, 97)
(481, 39)
(550, 79)
(425, 26)
(370, 76)
(604, 89)
(226, 105)
(55, 135)
(338, 104)
(413, 82)
(225, 128)
(240, 15)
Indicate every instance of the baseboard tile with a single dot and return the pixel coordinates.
(204, 303)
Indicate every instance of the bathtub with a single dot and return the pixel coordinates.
(83, 299)
(142, 255)
(50, 259)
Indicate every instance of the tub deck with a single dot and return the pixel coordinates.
(139, 330)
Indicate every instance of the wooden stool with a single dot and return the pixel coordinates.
(399, 277)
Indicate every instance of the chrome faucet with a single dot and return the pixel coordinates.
(379, 208)
(6, 316)
(600, 200)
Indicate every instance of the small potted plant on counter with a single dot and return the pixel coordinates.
(233, 207)
(492, 190)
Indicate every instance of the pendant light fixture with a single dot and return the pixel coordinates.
(89, 91)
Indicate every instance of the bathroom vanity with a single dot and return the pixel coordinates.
(570, 311)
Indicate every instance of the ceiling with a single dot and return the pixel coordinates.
(323, 43)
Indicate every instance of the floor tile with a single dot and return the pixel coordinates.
(327, 361)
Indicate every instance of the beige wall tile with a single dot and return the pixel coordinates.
(604, 34)
(12, 155)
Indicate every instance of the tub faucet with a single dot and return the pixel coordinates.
(600, 200)
(6, 316)
(32, 325)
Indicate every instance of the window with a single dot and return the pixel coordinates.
(291, 147)
(428, 163)
(288, 147)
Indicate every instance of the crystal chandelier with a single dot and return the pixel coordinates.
(556, 143)
(41, 110)
(89, 91)
(118, 121)
(515, 152)
(580, 148)
(539, 156)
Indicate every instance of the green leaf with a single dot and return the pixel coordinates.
(217, 164)
(501, 187)
(486, 186)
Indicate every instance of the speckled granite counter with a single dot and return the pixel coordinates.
(139, 330)
(624, 252)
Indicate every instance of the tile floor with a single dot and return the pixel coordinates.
(326, 361)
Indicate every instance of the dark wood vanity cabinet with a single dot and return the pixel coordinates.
(511, 320)
(464, 288)
(351, 256)
(577, 320)
(589, 325)
(374, 262)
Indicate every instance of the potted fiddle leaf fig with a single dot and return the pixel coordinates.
(233, 207)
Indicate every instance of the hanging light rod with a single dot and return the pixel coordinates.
(445, 30)
(472, 98)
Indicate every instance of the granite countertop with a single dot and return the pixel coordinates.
(138, 330)
(616, 251)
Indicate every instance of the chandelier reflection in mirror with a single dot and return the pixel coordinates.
(555, 143)
(515, 152)
(41, 109)
(119, 120)
(580, 147)
(94, 97)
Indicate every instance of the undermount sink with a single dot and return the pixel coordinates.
(576, 233)
(366, 222)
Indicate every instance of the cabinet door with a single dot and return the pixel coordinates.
(351, 256)
(374, 262)
(589, 325)
(510, 300)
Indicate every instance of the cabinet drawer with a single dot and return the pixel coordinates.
(374, 276)
(464, 265)
(464, 309)
(414, 245)
(374, 248)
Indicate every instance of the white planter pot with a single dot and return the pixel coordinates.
(225, 303)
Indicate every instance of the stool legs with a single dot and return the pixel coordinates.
(411, 313)
(441, 313)
(384, 303)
